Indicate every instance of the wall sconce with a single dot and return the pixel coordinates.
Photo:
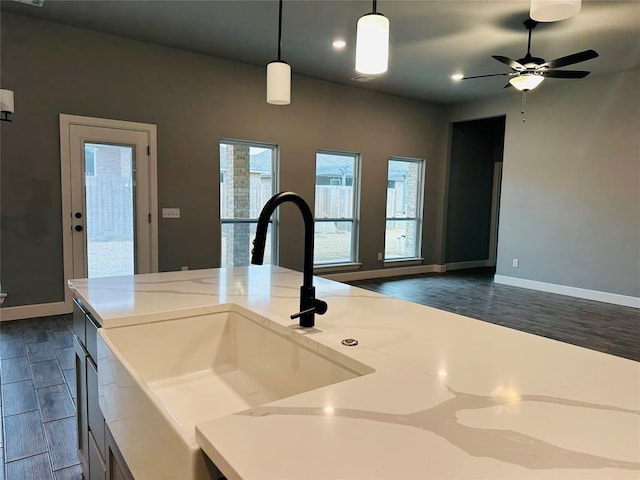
(554, 10)
(279, 74)
(372, 43)
(6, 105)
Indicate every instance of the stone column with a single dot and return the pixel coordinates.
(238, 204)
(411, 193)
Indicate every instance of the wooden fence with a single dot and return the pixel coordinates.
(332, 201)
(259, 193)
(109, 208)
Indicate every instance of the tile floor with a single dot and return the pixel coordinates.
(604, 327)
(37, 383)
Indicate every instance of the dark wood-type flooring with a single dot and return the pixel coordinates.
(37, 377)
(604, 327)
(37, 380)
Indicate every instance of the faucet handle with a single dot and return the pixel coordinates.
(303, 312)
(319, 307)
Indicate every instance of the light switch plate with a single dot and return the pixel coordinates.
(170, 213)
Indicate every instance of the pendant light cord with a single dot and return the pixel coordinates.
(375, 3)
(279, 30)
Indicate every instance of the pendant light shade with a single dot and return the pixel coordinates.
(372, 43)
(278, 83)
(279, 73)
(6, 104)
(553, 10)
(526, 82)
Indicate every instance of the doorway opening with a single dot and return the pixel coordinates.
(473, 197)
(109, 198)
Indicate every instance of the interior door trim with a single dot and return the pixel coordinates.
(66, 121)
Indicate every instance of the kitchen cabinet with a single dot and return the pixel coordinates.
(98, 453)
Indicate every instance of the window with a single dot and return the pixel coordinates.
(336, 207)
(405, 179)
(247, 180)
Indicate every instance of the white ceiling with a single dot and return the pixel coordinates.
(429, 40)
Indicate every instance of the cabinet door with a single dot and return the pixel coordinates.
(117, 468)
(97, 468)
(94, 414)
(79, 322)
(81, 410)
(92, 337)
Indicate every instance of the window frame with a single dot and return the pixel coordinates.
(418, 219)
(275, 184)
(355, 208)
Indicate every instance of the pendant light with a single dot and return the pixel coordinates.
(372, 43)
(6, 105)
(553, 10)
(279, 74)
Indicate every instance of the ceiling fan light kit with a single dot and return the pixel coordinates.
(554, 10)
(529, 72)
(279, 73)
(372, 43)
(526, 82)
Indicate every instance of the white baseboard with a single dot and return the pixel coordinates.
(464, 265)
(381, 273)
(606, 297)
(32, 311)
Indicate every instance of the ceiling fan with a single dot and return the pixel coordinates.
(528, 72)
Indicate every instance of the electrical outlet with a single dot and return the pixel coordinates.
(380, 256)
(170, 213)
(515, 263)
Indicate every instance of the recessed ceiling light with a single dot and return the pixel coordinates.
(338, 44)
(457, 77)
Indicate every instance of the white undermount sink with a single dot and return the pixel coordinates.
(157, 381)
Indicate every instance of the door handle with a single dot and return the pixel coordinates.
(78, 228)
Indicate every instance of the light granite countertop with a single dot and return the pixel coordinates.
(450, 397)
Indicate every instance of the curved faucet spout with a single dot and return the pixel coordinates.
(257, 254)
(309, 305)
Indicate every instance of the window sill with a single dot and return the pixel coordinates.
(403, 261)
(336, 267)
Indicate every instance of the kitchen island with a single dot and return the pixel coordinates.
(445, 396)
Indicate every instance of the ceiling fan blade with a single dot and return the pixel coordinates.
(508, 61)
(490, 75)
(565, 73)
(570, 59)
(507, 85)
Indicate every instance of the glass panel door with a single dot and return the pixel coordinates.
(110, 185)
(109, 209)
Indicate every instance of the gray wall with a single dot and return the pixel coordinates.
(570, 207)
(475, 147)
(195, 101)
